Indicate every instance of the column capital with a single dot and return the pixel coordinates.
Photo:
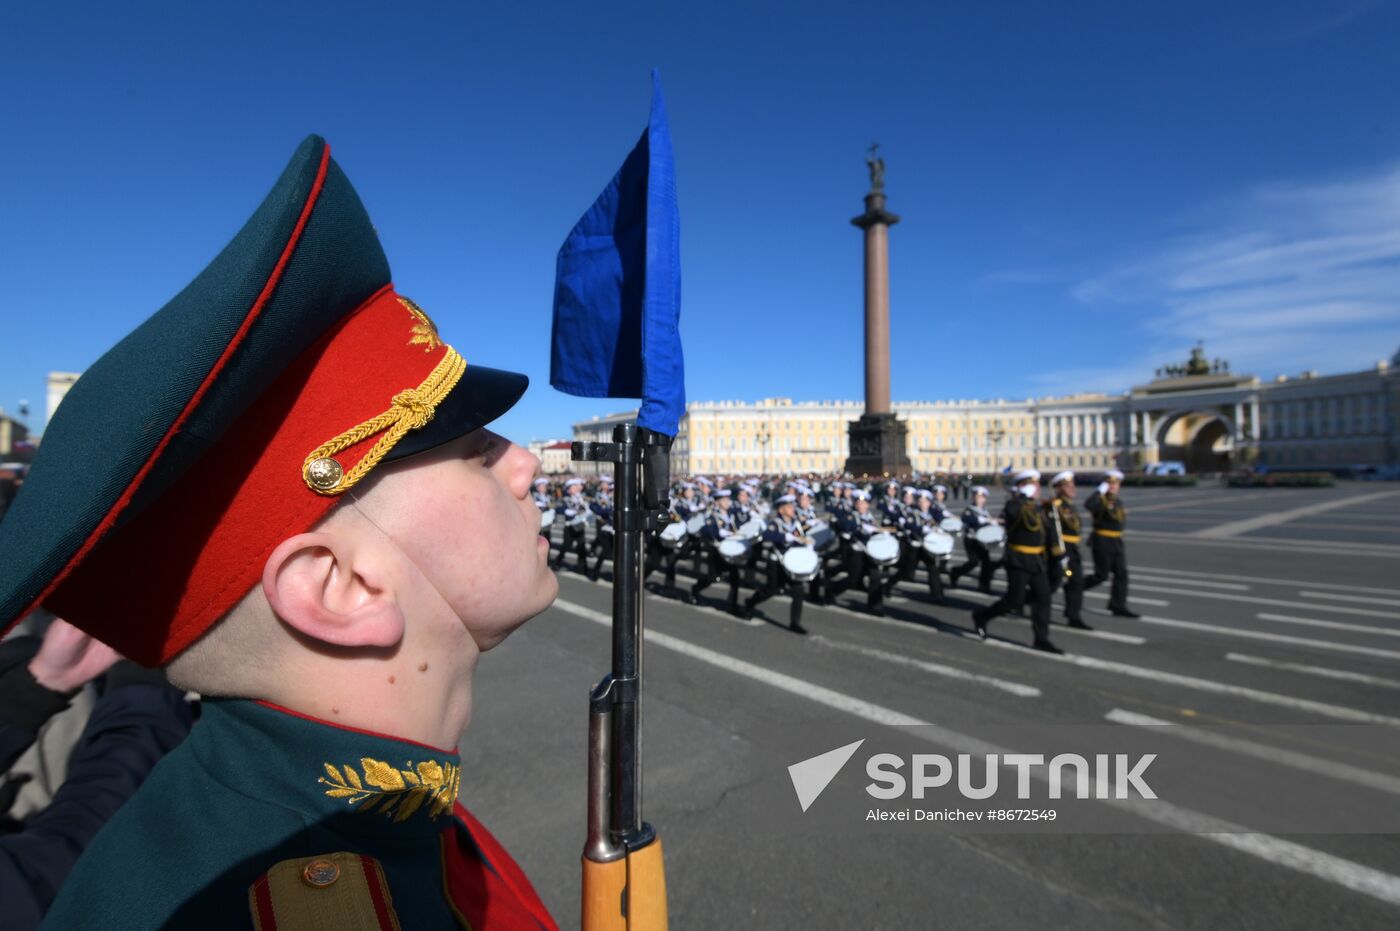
(875, 213)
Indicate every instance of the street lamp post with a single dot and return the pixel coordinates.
(995, 434)
(764, 437)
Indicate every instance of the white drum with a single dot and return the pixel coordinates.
(696, 523)
(752, 529)
(951, 525)
(991, 535)
(734, 550)
(546, 518)
(937, 542)
(582, 517)
(674, 533)
(801, 563)
(883, 548)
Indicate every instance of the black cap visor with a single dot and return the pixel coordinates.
(482, 395)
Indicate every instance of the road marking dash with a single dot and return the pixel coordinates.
(1283, 757)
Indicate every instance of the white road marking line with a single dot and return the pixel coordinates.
(1359, 599)
(1168, 580)
(1274, 544)
(1345, 873)
(1155, 602)
(1332, 625)
(1015, 688)
(1209, 685)
(1191, 502)
(1254, 578)
(1274, 638)
(791, 684)
(1300, 761)
(661, 599)
(1256, 600)
(1346, 675)
(1274, 518)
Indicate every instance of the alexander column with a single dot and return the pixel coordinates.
(877, 439)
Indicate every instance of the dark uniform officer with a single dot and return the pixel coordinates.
(1067, 567)
(1110, 559)
(190, 463)
(976, 516)
(1025, 563)
(784, 532)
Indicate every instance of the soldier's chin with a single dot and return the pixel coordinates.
(543, 595)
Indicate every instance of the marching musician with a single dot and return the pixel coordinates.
(858, 526)
(925, 516)
(575, 510)
(743, 505)
(703, 488)
(1110, 557)
(907, 525)
(1026, 571)
(745, 510)
(541, 495)
(602, 506)
(720, 524)
(940, 500)
(784, 532)
(891, 510)
(1067, 567)
(805, 511)
(688, 505)
(663, 557)
(838, 501)
(976, 516)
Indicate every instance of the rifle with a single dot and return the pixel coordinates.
(1060, 538)
(624, 877)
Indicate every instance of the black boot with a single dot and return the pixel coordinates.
(1045, 646)
(1123, 612)
(979, 623)
(1078, 624)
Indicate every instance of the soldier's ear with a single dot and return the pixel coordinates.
(331, 587)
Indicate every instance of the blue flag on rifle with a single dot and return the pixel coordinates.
(617, 287)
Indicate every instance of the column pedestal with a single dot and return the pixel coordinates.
(878, 444)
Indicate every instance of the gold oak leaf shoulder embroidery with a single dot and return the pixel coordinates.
(393, 792)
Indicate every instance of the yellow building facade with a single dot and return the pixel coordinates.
(1204, 417)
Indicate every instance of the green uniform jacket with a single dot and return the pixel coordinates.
(220, 834)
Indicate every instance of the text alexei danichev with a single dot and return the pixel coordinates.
(962, 814)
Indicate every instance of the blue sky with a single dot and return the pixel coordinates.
(1086, 189)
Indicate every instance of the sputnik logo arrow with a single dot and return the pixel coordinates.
(811, 777)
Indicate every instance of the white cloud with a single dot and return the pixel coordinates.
(1283, 278)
